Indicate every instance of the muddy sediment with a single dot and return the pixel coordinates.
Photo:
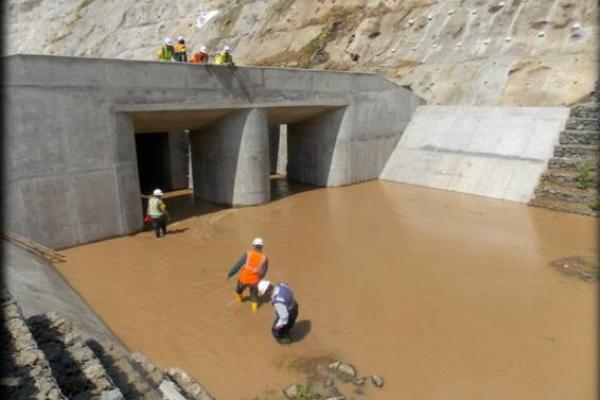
(446, 295)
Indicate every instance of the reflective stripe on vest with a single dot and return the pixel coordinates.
(250, 271)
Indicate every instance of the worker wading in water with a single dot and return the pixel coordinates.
(157, 211)
(286, 309)
(252, 267)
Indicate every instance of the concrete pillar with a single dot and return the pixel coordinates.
(278, 149)
(314, 153)
(127, 178)
(230, 159)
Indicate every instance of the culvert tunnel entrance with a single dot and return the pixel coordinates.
(206, 160)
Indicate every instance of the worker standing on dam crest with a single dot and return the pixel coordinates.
(224, 57)
(180, 50)
(253, 267)
(200, 57)
(157, 211)
(286, 309)
(165, 53)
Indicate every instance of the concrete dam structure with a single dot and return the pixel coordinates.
(72, 126)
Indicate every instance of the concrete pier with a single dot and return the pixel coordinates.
(70, 149)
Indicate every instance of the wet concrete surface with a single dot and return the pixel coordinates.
(445, 295)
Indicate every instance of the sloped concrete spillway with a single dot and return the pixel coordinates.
(73, 171)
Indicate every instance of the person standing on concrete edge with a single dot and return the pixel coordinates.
(200, 57)
(165, 53)
(286, 309)
(253, 267)
(224, 57)
(180, 50)
(157, 211)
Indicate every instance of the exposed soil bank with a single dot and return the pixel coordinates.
(446, 295)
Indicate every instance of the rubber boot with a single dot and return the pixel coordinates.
(255, 307)
(238, 297)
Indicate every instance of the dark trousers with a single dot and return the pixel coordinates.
(284, 331)
(159, 224)
(240, 287)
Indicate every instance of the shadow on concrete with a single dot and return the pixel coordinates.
(300, 330)
(176, 231)
(281, 187)
(182, 205)
(124, 380)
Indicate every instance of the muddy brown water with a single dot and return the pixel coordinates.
(446, 295)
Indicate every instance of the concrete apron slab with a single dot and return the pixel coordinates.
(497, 152)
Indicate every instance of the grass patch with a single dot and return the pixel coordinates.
(584, 180)
(595, 205)
(84, 4)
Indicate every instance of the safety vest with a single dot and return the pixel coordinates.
(283, 294)
(199, 58)
(165, 53)
(155, 207)
(224, 58)
(249, 274)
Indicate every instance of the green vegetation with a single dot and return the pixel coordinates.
(584, 180)
(314, 43)
(304, 393)
(84, 4)
(595, 205)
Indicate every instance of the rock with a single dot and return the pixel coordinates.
(291, 391)
(358, 381)
(329, 382)
(334, 365)
(377, 380)
(346, 372)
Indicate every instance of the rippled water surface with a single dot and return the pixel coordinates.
(446, 295)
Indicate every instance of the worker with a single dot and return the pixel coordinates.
(157, 211)
(224, 57)
(286, 309)
(200, 57)
(253, 267)
(180, 50)
(165, 53)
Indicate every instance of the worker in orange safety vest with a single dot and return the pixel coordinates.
(252, 267)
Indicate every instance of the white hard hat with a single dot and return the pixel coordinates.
(226, 48)
(169, 42)
(204, 49)
(263, 286)
(180, 38)
(257, 242)
(157, 192)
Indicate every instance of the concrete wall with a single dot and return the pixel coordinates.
(70, 151)
(498, 152)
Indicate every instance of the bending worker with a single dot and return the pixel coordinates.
(157, 211)
(253, 267)
(286, 309)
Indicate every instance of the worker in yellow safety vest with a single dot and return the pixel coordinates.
(157, 211)
(180, 50)
(253, 267)
(165, 53)
(224, 57)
